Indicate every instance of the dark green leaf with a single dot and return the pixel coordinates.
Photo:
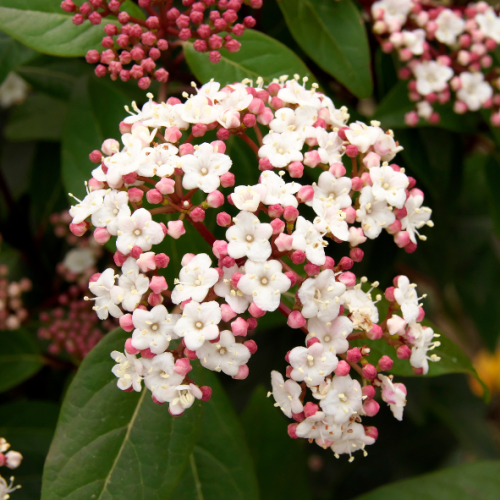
(493, 183)
(478, 481)
(12, 54)
(260, 55)
(20, 358)
(333, 35)
(29, 426)
(220, 467)
(273, 450)
(115, 445)
(39, 118)
(45, 27)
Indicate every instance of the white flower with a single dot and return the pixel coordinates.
(331, 189)
(248, 197)
(414, 41)
(331, 220)
(5, 488)
(312, 364)
(204, 168)
(235, 298)
(197, 109)
(249, 238)
(13, 459)
(88, 206)
(319, 427)
(128, 371)
(295, 93)
(157, 115)
(422, 340)
(353, 439)
(265, 282)
(386, 146)
(343, 400)
(424, 109)
(474, 90)
(406, 296)
(363, 310)
(182, 397)
(115, 204)
(159, 375)
(450, 25)
(154, 329)
(320, 296)
(417, 216)
(394, 395)
(336, 118)
(393, 10)
(160, 160)
(363, 136)
(431, 77)
(78, 260)
(138, 230)
(489, 24)
(198, 323)
(282, 149)
(289, 120)
(309, 240)
(278, 192)
(117, 165)
(329, 144)
(389, 185)
(107, 295)
(226, 355)
(133, 285)
(195, 279)
(237, 100)
(286, 394)
(13, 90)
(332, 334)
(373, 215)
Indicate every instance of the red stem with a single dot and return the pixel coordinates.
(249, 141)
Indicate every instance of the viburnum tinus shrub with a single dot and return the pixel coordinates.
(273, 258)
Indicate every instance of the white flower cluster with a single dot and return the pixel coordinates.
(12, 460)
(271, 255)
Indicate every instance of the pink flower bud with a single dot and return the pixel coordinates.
(165, 186)
(227, 262)
(402, 239)
(312, 269)
(265, 117)
(130, 178)
(68, 6)
(366, 178)
(343, 369)
(290, 214)
(172, 134)
(296, 320)
(206, 393)
(199, 130)
(389, 294)
(356, 254)
(348, 279)
(190, 354)
(227, 313)
(227, 180)
(375, 333)
(292, 430)
(255, 311)
(337, 169)
(284, 241)
(288, 371)
(395, 227)
(78, 229)
(351, 151)
(95, 156)
(421, 314)
(251, 346)
(312, 158)
(161, 260)
(176, 229)
(239, 327)
(182, 366)
(310, 409)
(119, 259)
(256, 106)
(242, 373)
(403, 352)
(127, 324)
(158, 284)
(215, 199)
(296, 170)
(275, 211)
(223, 219)
(219, 248)
(146, 353)
(357, 184)
(155, 299)
(353, 355)
(154, 196)
(94, 184)
(186, 149)
(292, 277)
(369, 371)
(135, 195)
(298, 257)
(312, 340)
(368, 391)
(101, 235)
(411, 118)
(306, 193)
(385, 363)
(146, 261)
(265, 164)
(350, 218)
(371, 407)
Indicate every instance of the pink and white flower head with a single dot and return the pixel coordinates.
(332, 334)
(226, 355)
(394, 395)
(344, 399)
(312, 364)
(128, 370)
(286, 394)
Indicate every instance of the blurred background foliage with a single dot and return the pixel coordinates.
(44, 147)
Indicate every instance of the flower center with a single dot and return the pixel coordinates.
(249, 238)
(137, 232)
(264, 281)
(154, 327)
(204, 171)
(327, 338)
(310, 360)
(342, 397)
(222, 351)
(199, 325)
(115, 211)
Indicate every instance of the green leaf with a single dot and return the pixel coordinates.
(45, 27)
(273, 450)
(260, 55)
(94, 113)
(115, 445)
(29, 426)
(220, 467)
(477, 481)
(333, 35)
(39, 118)
(493, 182)
(20, 358)
(12, 54)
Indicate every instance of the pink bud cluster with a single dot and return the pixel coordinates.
(133, 47)
(446, 54)
(270, 254)
(12, 310)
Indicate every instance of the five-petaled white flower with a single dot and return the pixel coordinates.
(389, 185)
(312, 364)
(449, 26)
(248, 197)
(182, 397)
(128, 370)
(374, 215)
(133, 284)
(310, 241)
(421, 339)
(235, 298)
(331, 189)
(115, 204)
(406, 296)
(159, 375)
(343, 400)
(282, 149)
(321, 428)
(286, 394)
(431, 77)
(474, 91)
(88, 206)
(278, 192)
(364, 312)
(138, 230)
(353, 438)
(332, 334)
(108, 295)
(394, 395)
(417, 216)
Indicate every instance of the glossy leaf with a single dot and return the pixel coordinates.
(477, 481)
(220, 467)
(45, 27)
(12, 54)
(492, 170)
(273, 450)
(260, 55)
(115, 445)
(334, 37)
(20, 358)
